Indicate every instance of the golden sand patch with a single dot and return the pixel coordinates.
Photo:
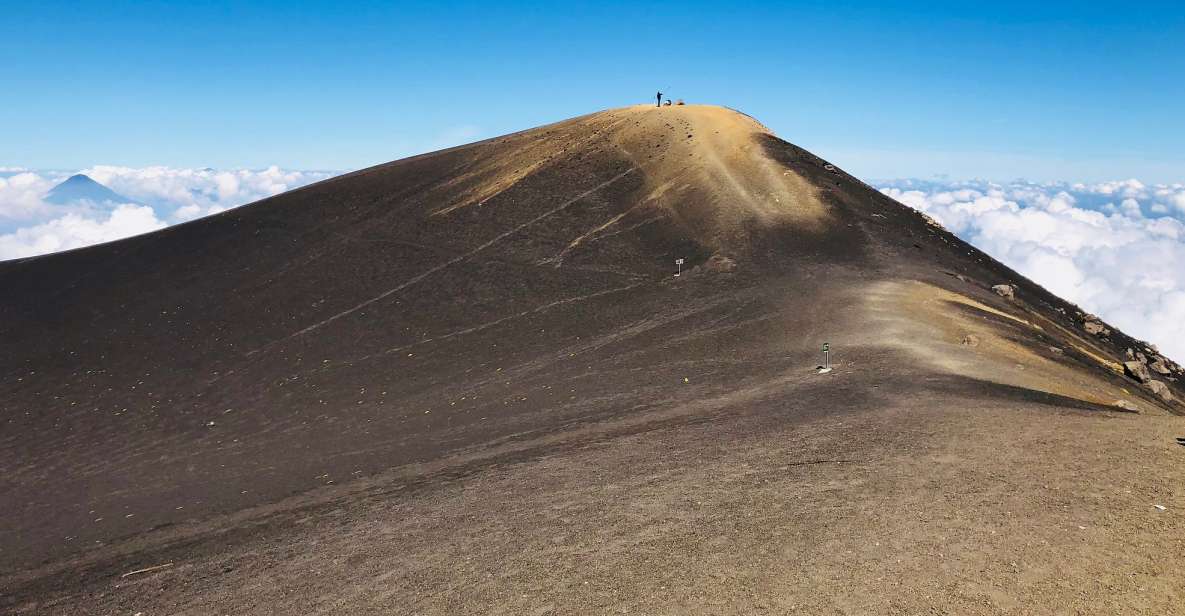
(705, 165)
(918, 317)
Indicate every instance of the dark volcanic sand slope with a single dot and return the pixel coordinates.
(497, 302)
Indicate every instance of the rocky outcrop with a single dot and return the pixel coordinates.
(1161, 390)
(1137, 371)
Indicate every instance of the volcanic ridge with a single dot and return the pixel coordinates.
(470, 382)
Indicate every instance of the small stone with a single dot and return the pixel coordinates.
(971, 340)
(1006, 291)
(1127, 406)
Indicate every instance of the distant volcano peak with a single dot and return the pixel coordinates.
(80, 187)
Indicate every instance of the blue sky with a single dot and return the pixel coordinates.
(1081, 91)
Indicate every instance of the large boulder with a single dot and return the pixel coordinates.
(1160, 367)
(1137, 371)
(1161, 390)
(1005, 290)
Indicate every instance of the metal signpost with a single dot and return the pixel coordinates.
(679, 264)
(826, 359)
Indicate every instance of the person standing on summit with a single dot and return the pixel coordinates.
(658, 103)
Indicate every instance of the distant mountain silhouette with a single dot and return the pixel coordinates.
(79, 187)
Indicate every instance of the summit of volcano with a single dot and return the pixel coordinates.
(470, 382)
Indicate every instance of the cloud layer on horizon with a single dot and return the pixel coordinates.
(77, 229)
(1116, 249)
(162, 195)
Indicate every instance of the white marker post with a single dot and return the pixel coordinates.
(679, 264)
(826, 359)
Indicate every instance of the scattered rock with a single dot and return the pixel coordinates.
(1057, 350)
(1127, 406)
(1096, 328)
(1161, 390)
(1006, 291)
(971, 340)
(1137, 371)
(1160, 507)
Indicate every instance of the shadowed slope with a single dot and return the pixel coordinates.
(495, 301)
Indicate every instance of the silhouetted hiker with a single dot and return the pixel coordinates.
(659, 101)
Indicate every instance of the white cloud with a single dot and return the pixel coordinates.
(162, 195)
(1115, 248)
(21, 193)
(75, 230)
(189, 193)
(190, 212)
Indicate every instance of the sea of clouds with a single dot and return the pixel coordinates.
(158, 197)
(1116, 249)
